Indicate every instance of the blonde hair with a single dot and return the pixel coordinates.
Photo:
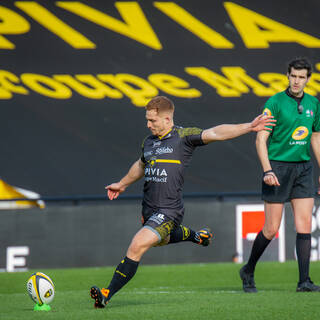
(160, 104)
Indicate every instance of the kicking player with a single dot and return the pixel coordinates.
(166, 153)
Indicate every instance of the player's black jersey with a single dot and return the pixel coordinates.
(166, 159)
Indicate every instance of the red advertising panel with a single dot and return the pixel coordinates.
(249, 222)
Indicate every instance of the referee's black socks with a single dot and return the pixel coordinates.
(303, 248)
(182, 233)
(258, 247)
(122, 275)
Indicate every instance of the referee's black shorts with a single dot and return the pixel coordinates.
(296, 181)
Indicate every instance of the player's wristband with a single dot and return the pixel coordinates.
(267, 172)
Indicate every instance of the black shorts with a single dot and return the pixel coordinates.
(296, 181)
(161, 221)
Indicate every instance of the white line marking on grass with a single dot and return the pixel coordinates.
(151, 292)
(159, 292)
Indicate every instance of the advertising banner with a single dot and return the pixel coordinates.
(62, 236)
(75, 76)
(249, 222)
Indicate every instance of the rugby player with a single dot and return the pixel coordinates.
(166, 153)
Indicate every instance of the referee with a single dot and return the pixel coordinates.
(166, 154)
(284, 154)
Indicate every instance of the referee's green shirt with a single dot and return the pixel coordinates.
(290, 138)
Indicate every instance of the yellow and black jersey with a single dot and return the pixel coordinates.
(166, 159)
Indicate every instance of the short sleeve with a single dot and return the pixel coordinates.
(316, 124)
(192, 136)
(270, 109)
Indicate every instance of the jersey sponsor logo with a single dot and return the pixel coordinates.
(161, 216)
(156, 179)
(300, 133)
(300, 143)
(309, 113)
(267, 112)
(156, 144)
(155, 172)
(157, 218)
(164, 150)
(155, 175)
(148, 153)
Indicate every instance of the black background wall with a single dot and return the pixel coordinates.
(59, 140)
(72, 89)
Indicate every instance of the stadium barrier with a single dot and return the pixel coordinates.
(98, 234)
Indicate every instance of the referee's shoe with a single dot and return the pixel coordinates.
(307, 286)
(248, 283)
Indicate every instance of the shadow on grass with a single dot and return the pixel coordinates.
(120, 303)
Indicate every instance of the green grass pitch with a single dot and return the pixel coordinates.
(186, 291)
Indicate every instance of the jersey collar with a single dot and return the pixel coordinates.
(294, 97)
(166, 135)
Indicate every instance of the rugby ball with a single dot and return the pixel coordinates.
(40, 288)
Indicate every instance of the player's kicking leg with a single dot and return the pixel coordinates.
(181, 233)
(141, 242)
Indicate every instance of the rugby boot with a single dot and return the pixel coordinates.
(204, 236)
(248, 283)
(307, 286)
(100, 296)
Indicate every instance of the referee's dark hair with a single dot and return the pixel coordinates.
(299, 64)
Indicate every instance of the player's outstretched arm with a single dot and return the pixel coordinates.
(135, 173)
(230, 131)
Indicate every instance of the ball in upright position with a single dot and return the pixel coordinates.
(40, 288)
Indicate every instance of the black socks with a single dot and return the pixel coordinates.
(122, 275)
(303, 248)
(127, 267)
(182, 233)
(258, 247)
